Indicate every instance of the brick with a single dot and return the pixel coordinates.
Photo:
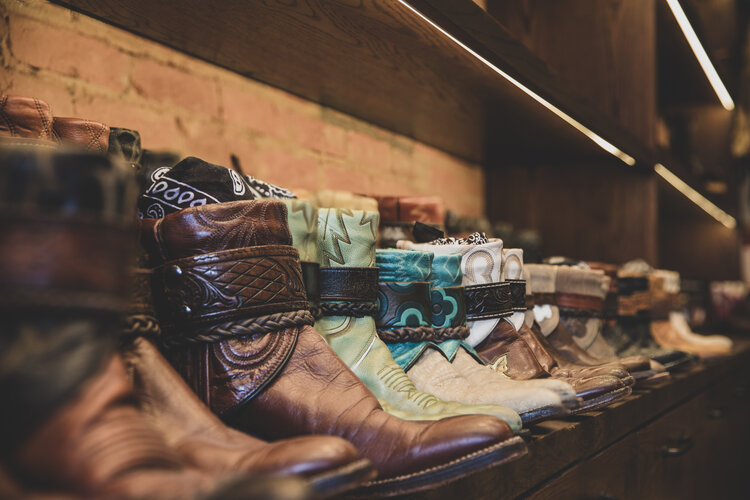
(68, 53)
(248, 108)
(333, 140)
(367, 151)
(340, 175)
(166, 84)
(158, 130)
(52, 90)
(281, 167)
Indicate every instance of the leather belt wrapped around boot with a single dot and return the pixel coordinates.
(349, 291)
(448, 306)
(489, 301)
(247, 291)
(405, 312)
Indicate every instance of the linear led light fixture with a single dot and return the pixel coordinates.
(694, 196)
(599, 140)
(700, 53)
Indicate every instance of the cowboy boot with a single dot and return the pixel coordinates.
(233, 312)
(347, 241)
(330, 465)
(630, 333)
(594, 391)
(436, 367)
(669, 328)
(489, 310)
(25, 119)
(404, 322)
(548, 316)
(412, 218)
(66, 244)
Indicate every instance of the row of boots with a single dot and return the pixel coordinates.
(236, 340)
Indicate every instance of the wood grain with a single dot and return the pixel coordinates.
(605, 49)
(583, 211)
(379, 62)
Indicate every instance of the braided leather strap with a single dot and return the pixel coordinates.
(451, 333)
(407, 334)
(229, 287)
(141, 325)
(353, 309)
(488, 301)
(241, 328)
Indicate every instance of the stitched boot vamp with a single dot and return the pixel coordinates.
(316, 393)
(98, 444)
(204, 441)
(506, 352)
(434, 374)
(585, 332)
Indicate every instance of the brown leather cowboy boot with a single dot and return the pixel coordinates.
(330, 464)
(233, 310)
(66, 245)
(547, 297)
(24, 118)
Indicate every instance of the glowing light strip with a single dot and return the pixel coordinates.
(700, 53)
(599, 140)
(694, 196)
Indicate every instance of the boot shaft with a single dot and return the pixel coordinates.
(67, 238)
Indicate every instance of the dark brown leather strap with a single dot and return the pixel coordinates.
(488, 301)
(404, 306)
(359, 284)
(518, 295)
(229, 286)
(576, 301)
(541, 299)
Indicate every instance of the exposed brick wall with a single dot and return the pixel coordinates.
(89, 69)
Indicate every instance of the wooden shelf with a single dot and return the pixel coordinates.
(556, 446)
(380, 62)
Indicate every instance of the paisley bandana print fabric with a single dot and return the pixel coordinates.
(191, 183)
(472, 239)
(263, 189)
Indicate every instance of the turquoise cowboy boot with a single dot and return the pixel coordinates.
(348, 293)
(438, 370)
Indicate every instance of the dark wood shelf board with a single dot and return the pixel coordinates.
(380, 62)
(557, 445)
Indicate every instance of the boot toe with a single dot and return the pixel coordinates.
(597, 386)
(306, 456)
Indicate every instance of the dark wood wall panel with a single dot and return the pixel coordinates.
(605, 49)
(595, 211)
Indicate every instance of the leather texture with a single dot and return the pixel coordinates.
(228, 285)
(347, 238)
(26, 117)
(203, 441)
(99, 445)
(349, 283)
(317, 393)
(86, 134)
(505, 350)
(488, 301)
(403, 304)
(425, 209)
(517, 294)
(227, 373)
(314, 392)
